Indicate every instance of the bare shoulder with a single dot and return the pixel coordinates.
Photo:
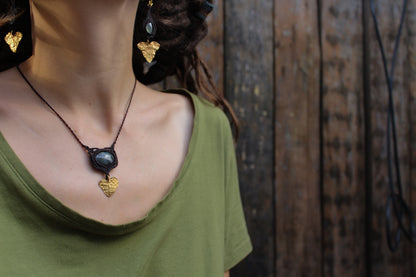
(169, 114)
(179, 104)
(173, 107)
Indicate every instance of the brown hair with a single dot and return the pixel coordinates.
(180, 27)
(6, 18)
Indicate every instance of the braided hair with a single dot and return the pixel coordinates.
(180, 27)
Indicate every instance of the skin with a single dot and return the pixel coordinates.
(82, 66)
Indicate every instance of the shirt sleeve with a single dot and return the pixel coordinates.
(237, 240)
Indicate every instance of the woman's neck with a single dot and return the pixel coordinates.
(83, 54)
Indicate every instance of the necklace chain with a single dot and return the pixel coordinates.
(102, 159)
(67, 125)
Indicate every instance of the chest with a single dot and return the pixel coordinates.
(149, 160)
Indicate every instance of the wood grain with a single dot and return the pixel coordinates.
(410, 76)
(307, 220)
(383, 262)
(298, 207)
(343, 139)
(249, 86)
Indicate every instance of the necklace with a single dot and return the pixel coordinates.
(102, 159)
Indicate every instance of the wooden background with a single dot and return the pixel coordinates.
(306, 80)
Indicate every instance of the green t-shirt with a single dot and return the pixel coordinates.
(196, 230)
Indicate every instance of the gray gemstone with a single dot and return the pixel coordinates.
(104, 158)
(149, 28)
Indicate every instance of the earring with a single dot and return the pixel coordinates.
(149, 48)
(13, 38)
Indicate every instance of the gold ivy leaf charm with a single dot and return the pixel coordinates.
(109, 186)
(13, 40)
(148, 49)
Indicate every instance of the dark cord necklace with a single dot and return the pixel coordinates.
(102, 159)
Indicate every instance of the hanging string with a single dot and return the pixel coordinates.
(396, 207)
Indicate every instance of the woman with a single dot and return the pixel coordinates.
(163, 199)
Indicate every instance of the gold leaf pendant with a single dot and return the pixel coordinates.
(109, 186)
(13, 40)
(148, 49)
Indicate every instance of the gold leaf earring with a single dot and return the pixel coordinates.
(13, 38)
(149, 47)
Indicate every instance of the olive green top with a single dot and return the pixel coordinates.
(196, 230)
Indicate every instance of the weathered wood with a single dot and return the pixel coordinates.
(343, 139)
(411, 88)
(383, 262)
(289, 159)
(298, 208)
(249, 86)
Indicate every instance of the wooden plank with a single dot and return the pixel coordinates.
(249, 86)
(411, 88)
(383, 262)
(343, 139)
(298, 211)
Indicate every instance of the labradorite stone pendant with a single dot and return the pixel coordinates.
(104, 160)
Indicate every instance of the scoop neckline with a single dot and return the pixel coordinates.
(36, 190)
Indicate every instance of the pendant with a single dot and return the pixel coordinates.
(109, 186)
(103, 159)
